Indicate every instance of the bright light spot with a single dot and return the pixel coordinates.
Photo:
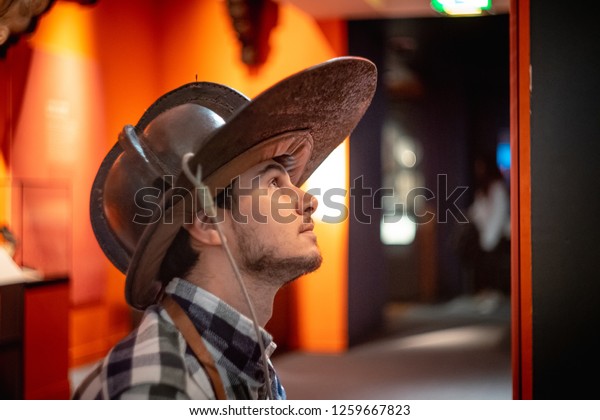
(503, 156)
(408, 158)
(461, 7)
(404, 152)
(330, 179)
(460, 337)
(397, 232)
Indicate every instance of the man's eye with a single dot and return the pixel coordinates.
(274, 183)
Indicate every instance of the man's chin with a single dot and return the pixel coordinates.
(283, 270)
(317, 260)
(301, 267)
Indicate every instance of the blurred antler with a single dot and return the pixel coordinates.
(19, 16)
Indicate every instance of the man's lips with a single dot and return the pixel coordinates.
(307, 227)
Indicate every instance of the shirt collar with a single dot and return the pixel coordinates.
(229, 335)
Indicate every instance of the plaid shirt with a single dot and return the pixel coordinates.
(155, 362)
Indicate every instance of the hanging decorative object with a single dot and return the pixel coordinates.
(19, 16)
(253, 21)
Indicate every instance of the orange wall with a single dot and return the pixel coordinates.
(108, 62)
(4, 193)
(203, 43)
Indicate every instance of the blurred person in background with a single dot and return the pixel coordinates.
(490, 215)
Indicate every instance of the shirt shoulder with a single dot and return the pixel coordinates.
(150, 363)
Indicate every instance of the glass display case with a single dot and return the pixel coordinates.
(35, 226)
(37, 215)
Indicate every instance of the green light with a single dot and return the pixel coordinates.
(461, 7)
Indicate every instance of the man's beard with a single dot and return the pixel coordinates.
(263, 263)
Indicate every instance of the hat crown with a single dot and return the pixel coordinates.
(130, 184)
(178, 131)
(148, 166)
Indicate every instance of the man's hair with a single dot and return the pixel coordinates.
(180, 258)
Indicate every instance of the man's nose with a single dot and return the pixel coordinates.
(307, 204)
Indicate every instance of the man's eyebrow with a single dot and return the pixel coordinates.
(270, 167)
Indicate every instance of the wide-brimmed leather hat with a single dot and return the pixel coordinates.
(138, 199)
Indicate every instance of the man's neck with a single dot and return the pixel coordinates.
(214, 274)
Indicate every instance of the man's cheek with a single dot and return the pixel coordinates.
(283, 208)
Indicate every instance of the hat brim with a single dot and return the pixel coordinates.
(326, 101)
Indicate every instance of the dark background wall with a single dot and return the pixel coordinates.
(458, 105)
(565, 149)
(366, 282)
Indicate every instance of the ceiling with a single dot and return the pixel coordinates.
(376, 9)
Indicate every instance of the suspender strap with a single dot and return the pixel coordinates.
(193, 339)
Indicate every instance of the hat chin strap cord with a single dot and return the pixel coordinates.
(206, 202)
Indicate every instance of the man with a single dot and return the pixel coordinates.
(206, 275)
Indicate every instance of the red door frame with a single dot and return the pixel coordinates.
(520, 134)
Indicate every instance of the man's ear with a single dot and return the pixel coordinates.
(203, 230)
